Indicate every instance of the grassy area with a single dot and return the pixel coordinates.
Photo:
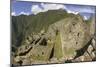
(58, 47)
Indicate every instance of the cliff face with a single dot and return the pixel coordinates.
(70, 39)
(74, 34)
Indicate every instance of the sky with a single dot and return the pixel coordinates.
(27, 8)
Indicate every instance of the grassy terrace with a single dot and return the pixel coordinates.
(58, 47)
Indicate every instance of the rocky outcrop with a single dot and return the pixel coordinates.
(74, 34)
(67, 40)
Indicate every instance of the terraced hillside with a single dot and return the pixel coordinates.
(54, 36)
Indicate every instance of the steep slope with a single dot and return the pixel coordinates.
(24, 25)
(54, 37)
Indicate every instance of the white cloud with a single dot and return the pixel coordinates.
(45, 7)
(52, 6)
(13, 14)
(73, 12)
(85, 17)
(36, 9)
(24, 13)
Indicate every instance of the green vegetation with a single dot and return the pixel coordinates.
(24, 25)
(58, 47)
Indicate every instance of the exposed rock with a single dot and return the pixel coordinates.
(74, 34)
(79, 59)
(88, 55)
(53, 60)
(67, 40)
(93, 27)
(93, 43)
(23, 50)
(90, 49)
(26, 61)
